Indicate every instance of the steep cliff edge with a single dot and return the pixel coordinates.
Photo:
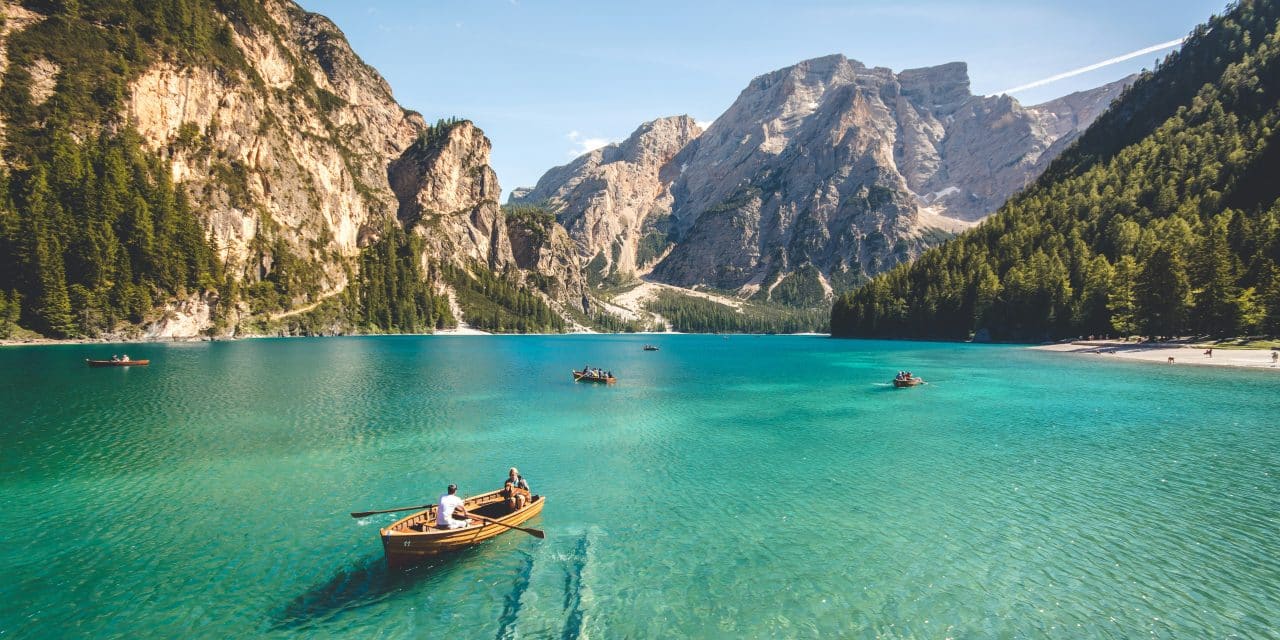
(248, 135)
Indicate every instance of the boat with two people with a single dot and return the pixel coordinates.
(907, 379)
(594, 374)
(419, 536)
(117, 361)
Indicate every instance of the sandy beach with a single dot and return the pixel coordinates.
(1160, 353)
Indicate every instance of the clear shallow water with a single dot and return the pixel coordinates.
(754, 486)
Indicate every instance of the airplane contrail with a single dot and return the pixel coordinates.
(1097, 65)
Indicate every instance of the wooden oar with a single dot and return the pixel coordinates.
(362, 514)
(537, 533)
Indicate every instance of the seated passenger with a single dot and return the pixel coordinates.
(514, 498)
(519, 488)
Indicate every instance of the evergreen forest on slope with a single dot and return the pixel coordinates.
(1162, 220)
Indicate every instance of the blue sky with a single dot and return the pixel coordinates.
(547, 80)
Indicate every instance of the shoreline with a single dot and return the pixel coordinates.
(1161, 352)
(469, 332)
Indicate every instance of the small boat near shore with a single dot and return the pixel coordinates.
(649, 347)
(593, 375)
(903, 382)
(117, 363)
(416, 537)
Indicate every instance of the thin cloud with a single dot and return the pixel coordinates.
(583, 144)
(1097, 65)
(703, 124)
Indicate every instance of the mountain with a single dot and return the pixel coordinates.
(609, 199)
(232, 166)
(1163, 219)
(818, 175)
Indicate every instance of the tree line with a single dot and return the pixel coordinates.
(499, 303)
(1175, 233)
(96, 235)
(691, 314)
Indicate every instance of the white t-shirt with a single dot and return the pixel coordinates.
(444, 513)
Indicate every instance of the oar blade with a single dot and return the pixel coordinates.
(537, 533)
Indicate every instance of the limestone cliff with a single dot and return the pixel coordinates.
(605, 197)
(823, 172)
(294, 155)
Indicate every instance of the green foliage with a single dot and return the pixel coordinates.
(498, 304)
(537, 220)
(1158, 220)
(393, 292)
(692, 314)
(94, 234)
(607, 322)
(656, 239)
(10, 312)
(430, 140)
(801, 288)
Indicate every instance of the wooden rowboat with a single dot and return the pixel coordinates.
(417, 537)
(117, 363)
(581, 376)
(908, 382)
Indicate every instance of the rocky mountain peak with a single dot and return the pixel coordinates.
(941, 89)
(606, 197)
(825, 171)
(654, 141)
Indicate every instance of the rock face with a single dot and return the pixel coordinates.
(605, 197)
(826, 171)
(303, 150)
(448, 194)
(301, 157)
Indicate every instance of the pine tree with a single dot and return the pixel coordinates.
(1216, 309)
(1122, 299)
(1161, 293)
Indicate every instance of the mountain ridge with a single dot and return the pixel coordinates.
(821, 172)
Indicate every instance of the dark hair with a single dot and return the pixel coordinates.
(453, 488)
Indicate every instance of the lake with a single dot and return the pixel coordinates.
(746, 486)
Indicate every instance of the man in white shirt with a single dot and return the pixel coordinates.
(449, 507)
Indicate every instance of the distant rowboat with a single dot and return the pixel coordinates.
(417, 536)
(584, 376)
(117, 363)
(649, 347)
(907, 382)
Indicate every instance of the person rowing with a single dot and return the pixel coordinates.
(449, 507)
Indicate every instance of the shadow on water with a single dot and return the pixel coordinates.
(367, 583)
(371, 582)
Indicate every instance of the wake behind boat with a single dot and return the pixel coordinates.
(417, 536)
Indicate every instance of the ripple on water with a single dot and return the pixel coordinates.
(753, 487)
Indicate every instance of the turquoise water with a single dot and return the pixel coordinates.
(741, 487)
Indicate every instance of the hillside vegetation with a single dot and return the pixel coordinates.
(1162, 220)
